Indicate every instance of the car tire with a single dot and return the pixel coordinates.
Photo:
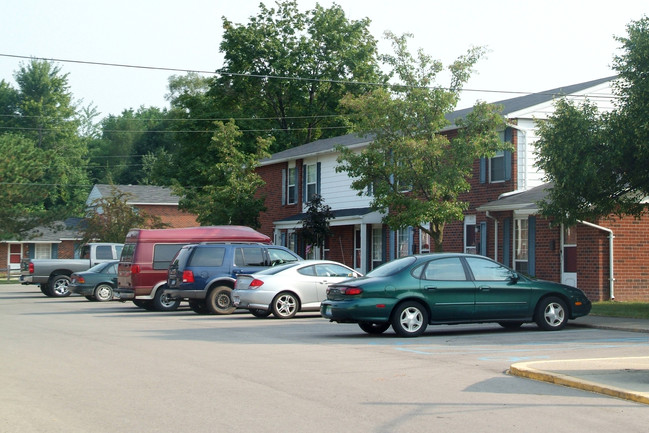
(103, 292)
(551, 314)
(409, 319)
(218, 301)
(511, 325)
(198, 306)
(45, 289)
(147, 305)
(285, 305)
(162, 302)
(374, 328)
(260, 313)
(59, 286)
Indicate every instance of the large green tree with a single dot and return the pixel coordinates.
(41, 117)
(21, 191)
(413, 172)
(597, 162)
(118, 157)
(286, 71)
(227, 195)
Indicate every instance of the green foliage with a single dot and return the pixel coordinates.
(317, 53)
(598, 162)
(415, 174)
(125, 139)
(23, 199)
(315, 225)
(108, 219)
(226, 192)
(41, 118)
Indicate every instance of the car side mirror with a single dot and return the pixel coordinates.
(514, 277)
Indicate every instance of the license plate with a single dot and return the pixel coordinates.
(328, 310)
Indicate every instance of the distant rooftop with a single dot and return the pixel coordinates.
(139, 194)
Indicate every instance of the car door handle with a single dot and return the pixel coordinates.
(484, 288)
(430, 287)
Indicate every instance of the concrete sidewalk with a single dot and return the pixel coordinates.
(626, 378)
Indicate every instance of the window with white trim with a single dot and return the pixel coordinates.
(291, 186)
(311, 181)
(521, 252)
(469, 234)
(497, 167)
(42, 251)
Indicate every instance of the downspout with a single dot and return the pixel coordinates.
(488, 215)
(610, 255)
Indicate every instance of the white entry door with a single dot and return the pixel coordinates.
(569, 256)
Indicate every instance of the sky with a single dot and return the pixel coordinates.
(532, 45)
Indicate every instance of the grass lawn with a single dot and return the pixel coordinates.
(635, 310)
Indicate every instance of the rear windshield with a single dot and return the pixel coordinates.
(104, 252)
(207, 256)
(163, 254)
(127, 253)
(391, 268)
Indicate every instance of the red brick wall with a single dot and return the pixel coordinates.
(272, 192)
(171, 215)
(631, 258)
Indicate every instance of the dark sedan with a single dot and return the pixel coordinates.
(416, 291)
(97, 283)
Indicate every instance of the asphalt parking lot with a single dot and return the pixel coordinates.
(70, 365)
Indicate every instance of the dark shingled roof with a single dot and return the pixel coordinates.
(142, 194)
(336, 214)
(318, 146)
(519, 103)
(518, 201)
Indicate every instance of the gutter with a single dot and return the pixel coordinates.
(611, 236)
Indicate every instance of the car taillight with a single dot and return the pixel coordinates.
(255, 283)
(352, 291)
(188, 277)
(31, 268)
(135, 269)
(79, 279)
(347, 290)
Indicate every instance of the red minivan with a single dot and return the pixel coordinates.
(147, 253)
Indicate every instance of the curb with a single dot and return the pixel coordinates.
(526, 370)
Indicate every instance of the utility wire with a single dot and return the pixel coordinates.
(223, 72)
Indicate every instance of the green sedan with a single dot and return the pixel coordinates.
(416, 291)
(97, 283)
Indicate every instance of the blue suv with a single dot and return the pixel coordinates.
(204, 274)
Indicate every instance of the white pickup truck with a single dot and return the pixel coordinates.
(53, 275)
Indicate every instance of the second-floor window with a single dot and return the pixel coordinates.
(311, 181)
(291, 186)
(497, 167)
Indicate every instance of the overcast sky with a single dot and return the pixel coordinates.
(533, 45)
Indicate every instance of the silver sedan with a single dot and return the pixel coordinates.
(284, 290)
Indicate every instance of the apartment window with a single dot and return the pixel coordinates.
(42, 251)
(424, 241)
(291, 186)
(311, 181)
(377, 246)
(521, 246)
(469, 235)
(403, 243)
(497, 167)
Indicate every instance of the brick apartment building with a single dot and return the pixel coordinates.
(502, 221)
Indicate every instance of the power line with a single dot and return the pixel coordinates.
(261, 76)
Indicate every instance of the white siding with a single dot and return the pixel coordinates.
(335, 187)
(530, 176)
